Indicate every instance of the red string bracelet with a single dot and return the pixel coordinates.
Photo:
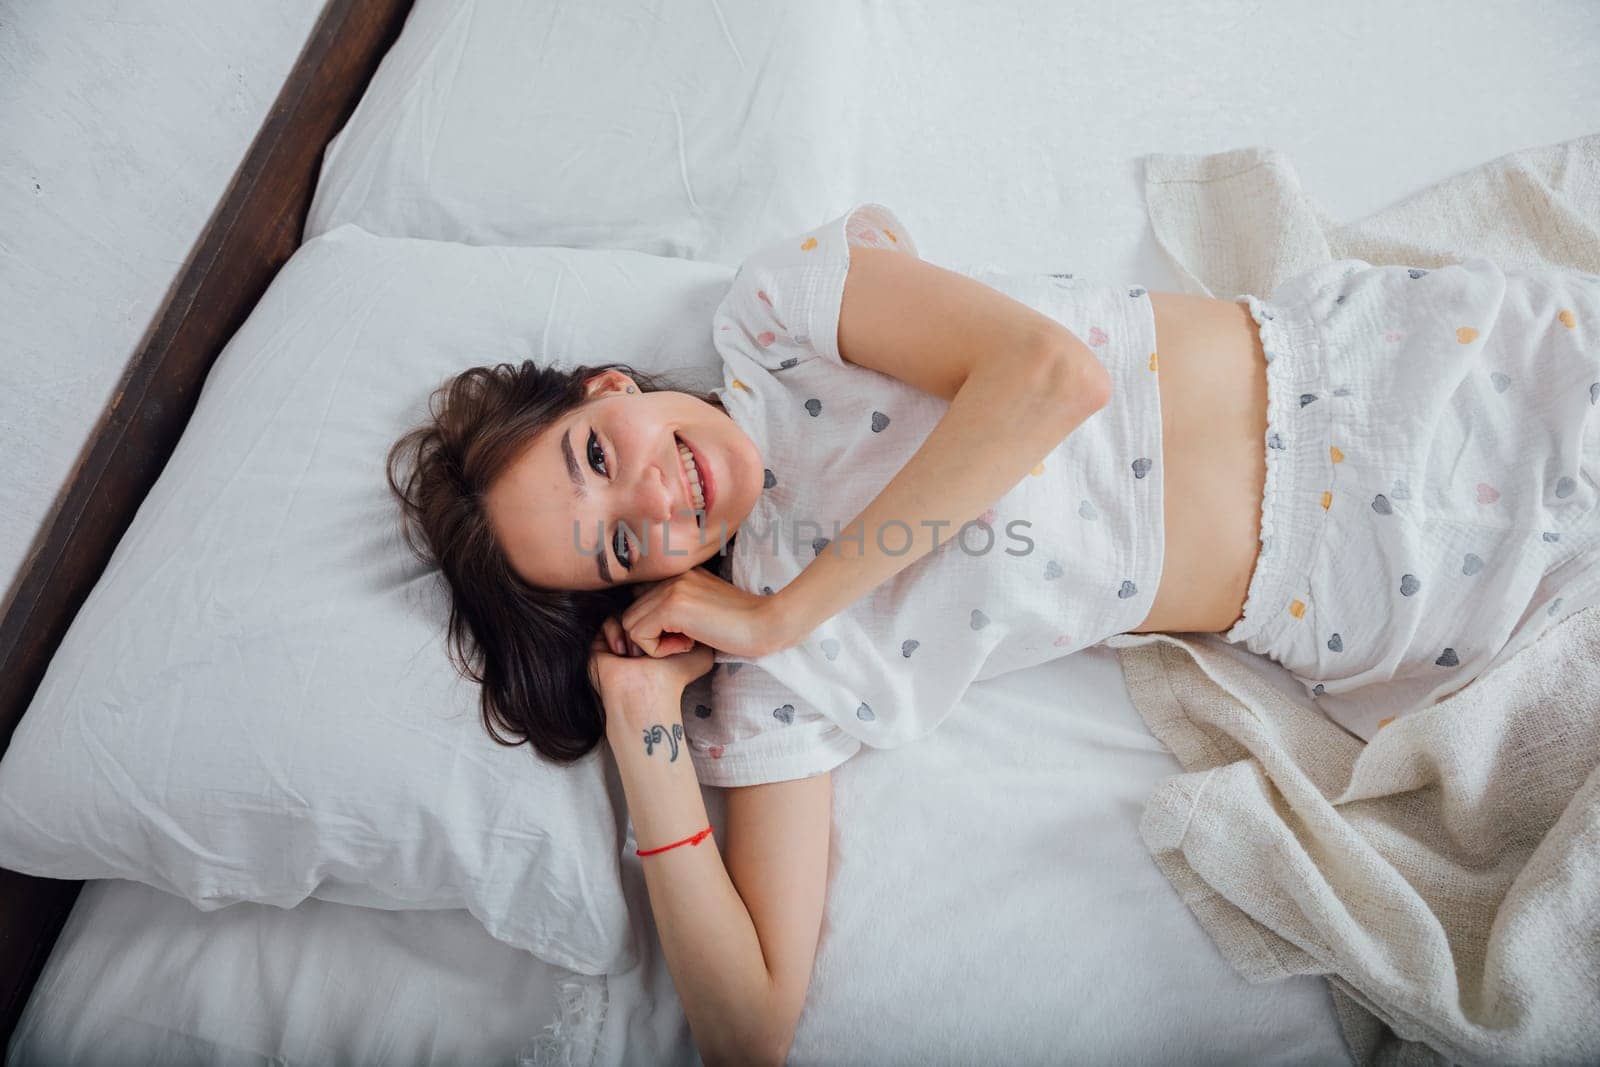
(695, 840)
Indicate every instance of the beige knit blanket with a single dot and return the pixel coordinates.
(1446, 876)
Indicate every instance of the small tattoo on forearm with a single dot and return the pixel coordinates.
(653, 736)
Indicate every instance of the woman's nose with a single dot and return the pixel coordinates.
(654, 496)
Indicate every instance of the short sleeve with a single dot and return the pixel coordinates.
(756, 731)
(783, 305)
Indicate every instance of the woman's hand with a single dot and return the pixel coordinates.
(671, 615)
(630, 682)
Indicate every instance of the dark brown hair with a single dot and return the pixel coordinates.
(527, 646)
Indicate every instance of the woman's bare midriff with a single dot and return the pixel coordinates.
(1213, 384)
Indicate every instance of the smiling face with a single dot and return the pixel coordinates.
(605, 496)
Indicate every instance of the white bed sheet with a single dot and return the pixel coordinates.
(989, 899)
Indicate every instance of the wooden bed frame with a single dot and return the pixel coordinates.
(255, 229)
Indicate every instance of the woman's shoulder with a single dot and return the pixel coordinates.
(784, 299)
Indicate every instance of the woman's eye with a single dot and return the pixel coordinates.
(620, 538)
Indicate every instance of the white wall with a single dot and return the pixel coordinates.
(121, 125)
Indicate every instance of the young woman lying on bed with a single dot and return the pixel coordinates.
(1321, 477)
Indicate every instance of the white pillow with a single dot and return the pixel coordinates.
(255, 703)
(703, 130)
(508, 123)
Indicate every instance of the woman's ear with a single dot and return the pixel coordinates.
(608, 381)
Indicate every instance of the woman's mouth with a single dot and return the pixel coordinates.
(697, 475)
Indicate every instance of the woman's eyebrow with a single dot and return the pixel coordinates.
(574, 472)
(580, 488)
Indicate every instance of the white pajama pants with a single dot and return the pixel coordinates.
(1432, 499)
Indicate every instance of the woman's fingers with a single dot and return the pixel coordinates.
(658, 632)
(597, 648)
(659, 621)
(674, 644)
(643, 602)
(615, 637)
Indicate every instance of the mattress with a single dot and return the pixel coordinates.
(989, 896)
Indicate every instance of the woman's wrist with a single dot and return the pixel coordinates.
(651, 750)
(788, 619)
(639, 706)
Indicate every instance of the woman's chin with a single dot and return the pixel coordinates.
(752, 482)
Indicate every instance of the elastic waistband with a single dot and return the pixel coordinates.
(1299, 465)
(1130, 357)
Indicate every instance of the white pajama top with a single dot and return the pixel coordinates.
(1071, 555)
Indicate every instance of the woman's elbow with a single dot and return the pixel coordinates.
(778, 1031)
(763, 1041)
(772, 1059)
(771, 1053)
(1075, 377)
(781, 1055)
(781, 1039)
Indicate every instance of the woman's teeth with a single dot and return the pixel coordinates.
(696, 488)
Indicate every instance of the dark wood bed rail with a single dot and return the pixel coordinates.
(256, 227)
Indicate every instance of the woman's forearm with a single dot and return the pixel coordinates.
(1006, 417)
(710, 941)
